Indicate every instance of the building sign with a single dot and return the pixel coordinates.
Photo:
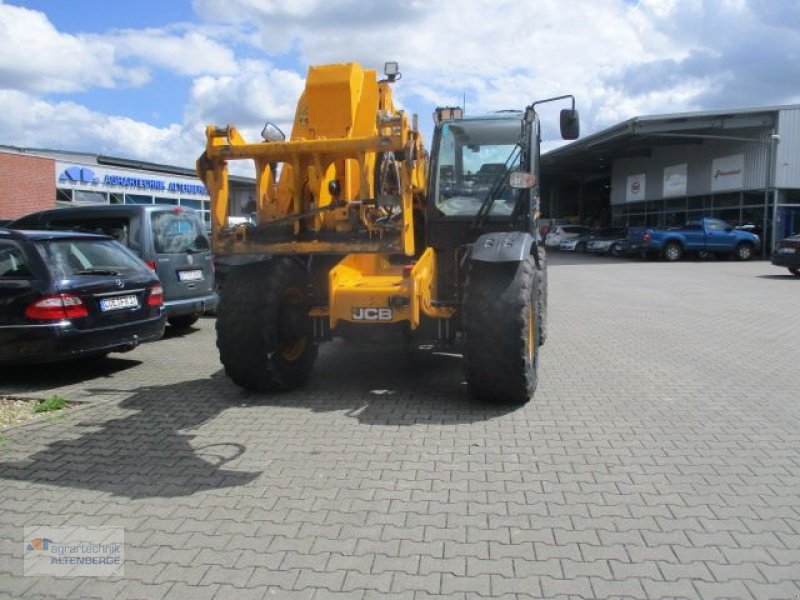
(100, 179)
(674, 181)
(727, 173)
(634, 190)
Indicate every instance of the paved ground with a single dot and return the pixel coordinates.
(660, 457)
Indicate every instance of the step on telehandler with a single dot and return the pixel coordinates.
(359, 231)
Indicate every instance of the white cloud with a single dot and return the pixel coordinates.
(35, 57)
(256, 94)
(192, 53)
(33, 122)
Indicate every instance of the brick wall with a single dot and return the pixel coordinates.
(27, 184)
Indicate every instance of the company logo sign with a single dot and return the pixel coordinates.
(372, 314)
(78, 175)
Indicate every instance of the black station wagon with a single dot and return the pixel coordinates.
(66, 295)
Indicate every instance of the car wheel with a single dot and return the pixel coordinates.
(744, 251)
(580, 247)
(673, 252)
(794, 271)
(615, 250)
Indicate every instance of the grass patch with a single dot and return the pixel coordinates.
(52, 403)
(15, 410)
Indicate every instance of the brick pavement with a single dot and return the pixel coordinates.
(660, 458)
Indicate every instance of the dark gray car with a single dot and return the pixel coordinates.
(171, 239)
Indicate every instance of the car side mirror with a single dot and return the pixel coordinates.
(570, 124)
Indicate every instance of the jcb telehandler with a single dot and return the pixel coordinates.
(358, 231)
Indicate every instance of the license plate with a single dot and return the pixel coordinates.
(786, 250)
(195, 275)
(119, 302)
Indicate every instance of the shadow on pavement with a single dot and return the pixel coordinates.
(35, 378)
(151, 452)
(385, 386)
(788, 277)
(143, 454)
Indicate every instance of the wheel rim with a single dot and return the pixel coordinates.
(744, 252)
(672, 253)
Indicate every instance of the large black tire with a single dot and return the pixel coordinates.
(541, 277)
(673, 252)
(744, 251)
(501, 352)
(264, 332)
(182, 321)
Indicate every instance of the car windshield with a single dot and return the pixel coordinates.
(473, 158)
(178, 231)
(69, 258)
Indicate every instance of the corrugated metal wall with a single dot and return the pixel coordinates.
(787, 163)
(699, 158)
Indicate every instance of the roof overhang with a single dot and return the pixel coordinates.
(592, 156)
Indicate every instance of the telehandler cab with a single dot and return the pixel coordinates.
(358, 231)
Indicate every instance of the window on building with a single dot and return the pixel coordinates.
(138, 199)
(700, 203)
(87, 196)
(116, 198)
(752, 198)
(198, 204)
(170, 201)
(63, 195)
(730, 200)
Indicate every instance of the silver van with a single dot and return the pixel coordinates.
(172, 240)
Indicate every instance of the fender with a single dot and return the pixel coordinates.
(505, 246)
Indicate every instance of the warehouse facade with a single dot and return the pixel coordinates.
(37, 179)
(742, 166)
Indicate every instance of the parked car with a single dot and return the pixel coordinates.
(563, 232)
(172, 240)
(66, 295)
(707, 236)
(787, 254)
(607, 241)
(575, 243)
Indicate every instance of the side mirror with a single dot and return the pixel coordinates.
(272, 133)
(570, 124)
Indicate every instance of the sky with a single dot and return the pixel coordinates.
(142, 79)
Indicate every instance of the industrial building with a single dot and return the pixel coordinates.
(742, 166)
(34, 179)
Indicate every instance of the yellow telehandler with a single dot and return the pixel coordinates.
(358, 232)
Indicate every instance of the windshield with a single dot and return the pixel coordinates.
(68, 258)
(178, 231)
(473, 158)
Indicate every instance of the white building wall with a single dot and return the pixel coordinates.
(787, 150)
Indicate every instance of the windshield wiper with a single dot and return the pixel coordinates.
(97, 272)
(494, 192)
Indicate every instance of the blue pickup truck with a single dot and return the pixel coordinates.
(703, 237)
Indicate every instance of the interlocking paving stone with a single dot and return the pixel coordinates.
(659, 458)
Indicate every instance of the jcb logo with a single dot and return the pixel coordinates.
(372, 314)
